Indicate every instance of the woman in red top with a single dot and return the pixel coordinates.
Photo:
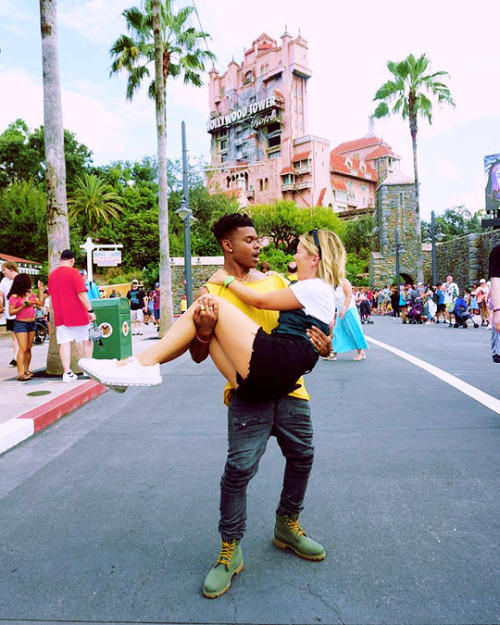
(22, 302)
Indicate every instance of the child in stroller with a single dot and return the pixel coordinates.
(365, 311)
(461, 313)
(415, 311)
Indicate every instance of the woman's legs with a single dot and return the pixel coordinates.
(222, 362)
(234, 331)
(27, 358)
(360, 355)
(22, 339)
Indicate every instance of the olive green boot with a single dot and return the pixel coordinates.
(288, 533)
(229, 563)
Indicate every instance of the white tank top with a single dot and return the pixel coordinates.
(340, 299)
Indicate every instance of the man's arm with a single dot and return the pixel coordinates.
(495, 300)
(204, 318)
(280, 299)
(84, 298)
(321, 341)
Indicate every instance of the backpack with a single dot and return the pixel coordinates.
(92, 290)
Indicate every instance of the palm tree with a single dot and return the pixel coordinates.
(55, 168)
(96, 201)
(407, 92)
(160, 36)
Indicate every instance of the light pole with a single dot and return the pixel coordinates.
(398, 248)
(186, 214)
(436, 233)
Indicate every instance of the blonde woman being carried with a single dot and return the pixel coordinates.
(260, 366)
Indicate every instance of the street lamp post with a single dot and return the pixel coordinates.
(436, 233)
(186, 214)
(398, 248)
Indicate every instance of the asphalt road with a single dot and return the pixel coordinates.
(111, 514)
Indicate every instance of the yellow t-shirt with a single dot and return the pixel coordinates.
(267, 319)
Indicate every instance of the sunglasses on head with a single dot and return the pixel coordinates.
(316, 240)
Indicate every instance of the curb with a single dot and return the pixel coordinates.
(19, 429)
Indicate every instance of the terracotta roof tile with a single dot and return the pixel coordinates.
(287, 170)
(321, 196)
(382, 150)
(301, 157)
(338, 184)
(339, 165)
(15, 259)
(358, 144)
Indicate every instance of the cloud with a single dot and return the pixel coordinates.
(25, 98)
(99, 21)
(473, 198)
(105, 129)
(447, 170)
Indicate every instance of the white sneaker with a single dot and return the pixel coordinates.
(108, 372)
(69, 377)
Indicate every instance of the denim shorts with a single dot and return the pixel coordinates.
(23, 326)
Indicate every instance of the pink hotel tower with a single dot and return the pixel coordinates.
(260, 146)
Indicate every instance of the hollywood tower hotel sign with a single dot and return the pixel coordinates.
(260, 149)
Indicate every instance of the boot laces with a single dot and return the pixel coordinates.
(294, 525)
(226, 553)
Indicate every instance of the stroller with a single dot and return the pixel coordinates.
(462, 314)
(365, 311)
(415, 311)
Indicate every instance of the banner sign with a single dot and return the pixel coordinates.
(492, 188)
(219, 121)
(107, 258)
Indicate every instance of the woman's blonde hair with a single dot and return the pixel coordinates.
(331, 250)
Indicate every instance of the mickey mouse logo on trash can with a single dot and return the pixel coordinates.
(106, 329)
(125, 328)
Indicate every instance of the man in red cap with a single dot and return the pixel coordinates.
(72, 311)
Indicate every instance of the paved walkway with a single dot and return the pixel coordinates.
(110, 516)
(28, 407)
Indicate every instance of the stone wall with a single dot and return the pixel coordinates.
(200, 275)
(466, 259)
(395, 210)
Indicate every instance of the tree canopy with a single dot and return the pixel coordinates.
(408, 93)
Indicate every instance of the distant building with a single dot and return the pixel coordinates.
(25, 266)
(261, 151)
(260, 146)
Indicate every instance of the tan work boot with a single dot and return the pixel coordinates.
(229, 563)
(288, 533)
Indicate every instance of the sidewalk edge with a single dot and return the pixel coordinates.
(53, 410)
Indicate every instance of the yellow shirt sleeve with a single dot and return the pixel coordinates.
(267, 319)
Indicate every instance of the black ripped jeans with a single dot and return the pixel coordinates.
(249, 427)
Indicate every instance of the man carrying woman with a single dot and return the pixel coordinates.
(251, 420)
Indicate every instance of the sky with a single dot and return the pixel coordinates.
(349, 46)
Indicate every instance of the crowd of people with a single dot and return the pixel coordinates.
(69, 294)
(427, 303)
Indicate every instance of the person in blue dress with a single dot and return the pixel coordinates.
(347, 332)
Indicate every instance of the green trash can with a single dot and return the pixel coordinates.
(113, 321)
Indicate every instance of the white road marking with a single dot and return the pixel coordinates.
(483, 398)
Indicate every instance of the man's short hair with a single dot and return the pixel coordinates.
(10, 264)
(227, 224)
(67, 255)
